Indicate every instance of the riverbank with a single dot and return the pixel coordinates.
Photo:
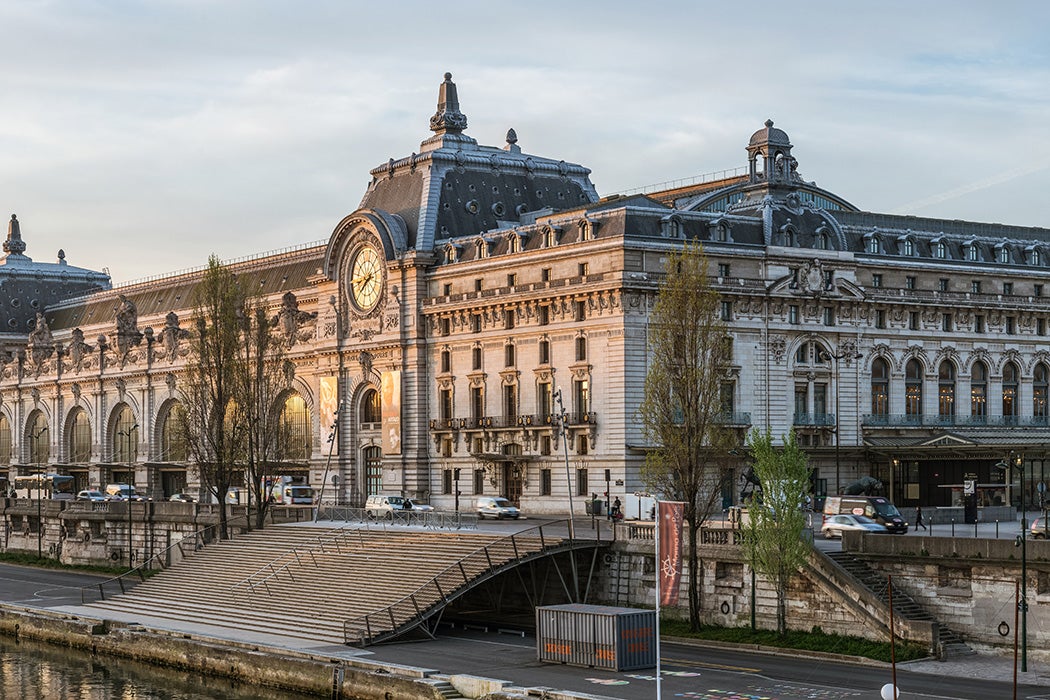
(331, 676)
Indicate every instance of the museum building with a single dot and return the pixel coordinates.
(479, 325)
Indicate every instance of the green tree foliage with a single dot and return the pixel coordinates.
(681, 410)
(773, 534)
(213, 424)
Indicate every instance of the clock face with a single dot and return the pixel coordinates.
(366, 278)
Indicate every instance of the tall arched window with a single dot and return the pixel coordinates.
(373, 459)
(371, 407)
(79, 444)
(880, 387)
(979, 391)
(942, 250)
(1010, 391)
(1040, 386)
(913, 389)
(173, 447)
(5, 440)
(294, 428)
(946, 391)
(37, 438)
(125, 436)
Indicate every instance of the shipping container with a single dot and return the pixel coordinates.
(596, 636)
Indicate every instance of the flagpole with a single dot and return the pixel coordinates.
(656, 554)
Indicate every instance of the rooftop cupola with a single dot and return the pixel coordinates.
(448, 122)
(769, 156)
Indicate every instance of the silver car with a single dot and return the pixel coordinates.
(496, 507)
(837, 524)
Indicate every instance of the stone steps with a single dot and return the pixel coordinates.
(951, 644)
(306, 582)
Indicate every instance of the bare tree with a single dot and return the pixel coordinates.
(213, 424)
(773, 534)
(264, 373)
(682, 408)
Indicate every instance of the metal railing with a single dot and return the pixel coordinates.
(444, 586)
(821, 419)
(914, 420)
(431, 519)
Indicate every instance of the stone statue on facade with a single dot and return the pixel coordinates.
(41, 344)
(293, 324)
(128, 333)
(78, 350)
(171, 336)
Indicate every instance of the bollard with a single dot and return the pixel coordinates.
(953, 527)
(996, 528)
(975, 529)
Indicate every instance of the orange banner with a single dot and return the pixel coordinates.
(669, 568)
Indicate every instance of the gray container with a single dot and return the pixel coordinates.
(596, 636)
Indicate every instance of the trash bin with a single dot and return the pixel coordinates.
(594, 507)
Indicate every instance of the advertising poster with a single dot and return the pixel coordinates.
(670, 514)
(391, 394)
(329, 405)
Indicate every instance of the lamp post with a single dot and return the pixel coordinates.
(131, 484)
(1015, 462)
(39, 492)
(562, 418)
(850, 355)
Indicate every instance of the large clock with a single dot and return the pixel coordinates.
(366, 277)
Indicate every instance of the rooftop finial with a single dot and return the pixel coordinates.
(14, 245)
(448, 118)
(512, 142)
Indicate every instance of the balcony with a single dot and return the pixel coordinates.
(814, 419)
(733, 419)
(885, 420)
(581, 418)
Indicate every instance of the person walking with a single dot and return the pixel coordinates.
(918, 518)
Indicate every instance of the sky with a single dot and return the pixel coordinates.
(143, 137)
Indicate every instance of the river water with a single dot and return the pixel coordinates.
(34, 671)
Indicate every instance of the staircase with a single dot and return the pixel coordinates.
(951, 644)
(304, 582)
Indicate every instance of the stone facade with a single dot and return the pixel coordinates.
(480, 296)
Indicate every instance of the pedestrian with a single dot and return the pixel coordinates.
(918, 518)
(616, 509)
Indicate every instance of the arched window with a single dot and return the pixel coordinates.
(79, 445)
(37, 438)
(946, 391)
(1034, 258)
(907, 247)
(1004, 255)
(972, 252)
(173, 447)
(371, 408)
(942, 250)
(5, 440)
(125, 436)
(873, 244)
(1040, 386)
(1010, 390)
(913, 388)
(294, 428)
(373, 459)
(880, 387)
(979, 391)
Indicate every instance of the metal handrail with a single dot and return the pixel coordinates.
(350, 625)
(200, 539)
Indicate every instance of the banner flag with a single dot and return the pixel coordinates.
(669, 568)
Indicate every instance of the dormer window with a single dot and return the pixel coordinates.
(972, 254)
(941, 250)
(451, 253)
(873, 245)
(907, 247)
(550, 237)
(1034, 258)
(514, 243)
(1004, 254)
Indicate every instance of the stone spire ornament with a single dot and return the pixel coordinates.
(448, 119)
(14, 245)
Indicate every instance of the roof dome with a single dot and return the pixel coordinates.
(769, 135)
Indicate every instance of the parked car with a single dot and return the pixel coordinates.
(1040, 529)
(123, 492)
(91, 495)
(379, 505)
(496, 507)
(417, 507)
(837, 524)
(182, 498)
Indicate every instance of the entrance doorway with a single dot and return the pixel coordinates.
(512, 483)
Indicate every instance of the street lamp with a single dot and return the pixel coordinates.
(847, 355)
(39, 492)
(1015, 462)
(131, 484)
(562, 419)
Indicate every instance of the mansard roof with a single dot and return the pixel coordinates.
(455, 187)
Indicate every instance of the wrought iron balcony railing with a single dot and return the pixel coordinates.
(927, 421)
(814, 419)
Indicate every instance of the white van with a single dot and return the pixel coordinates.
(122, 492)
(496, 507)
(379, 505)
